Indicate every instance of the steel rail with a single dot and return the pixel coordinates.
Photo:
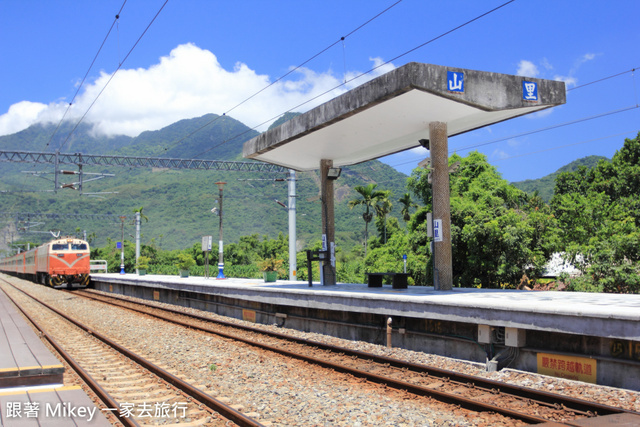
(214, 404)
(397, 384)
(102, 394)
(537, 396)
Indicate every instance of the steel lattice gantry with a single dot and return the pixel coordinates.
(131, 161)
(28, 216)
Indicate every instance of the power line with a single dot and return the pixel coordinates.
(341, 39)
(602, 79)
(566, 145)
(556, 126)
(87, 73)
(114, 73)
(362, 74)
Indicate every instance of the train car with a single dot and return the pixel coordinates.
(60, 262)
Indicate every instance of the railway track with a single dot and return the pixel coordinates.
(133, 389)
(474, 393)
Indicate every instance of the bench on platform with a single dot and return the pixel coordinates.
(398, 280)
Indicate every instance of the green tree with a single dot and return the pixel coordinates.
(370, 197)
(598, 211)
(142, 216)
(498, 232)
(383, 208)
(407, 204)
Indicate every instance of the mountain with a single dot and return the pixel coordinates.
(545, 185)
(178, 203)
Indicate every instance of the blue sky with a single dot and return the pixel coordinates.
(206, 56)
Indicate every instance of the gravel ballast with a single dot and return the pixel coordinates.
(293, 393)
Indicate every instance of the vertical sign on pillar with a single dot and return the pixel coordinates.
(437, 230)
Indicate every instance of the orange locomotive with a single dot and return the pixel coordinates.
(59, 262)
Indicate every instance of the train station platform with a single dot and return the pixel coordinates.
(31, 380)
(583, 336)
(24, 359)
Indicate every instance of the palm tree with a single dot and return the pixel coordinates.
(383, 208)
(370, 197)
(142, 216)
(407, 204)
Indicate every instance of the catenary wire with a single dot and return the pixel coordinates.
(341, 39)
(362, 74)
(552, 127)
(556, 126)
(87, 73)
(114, 73)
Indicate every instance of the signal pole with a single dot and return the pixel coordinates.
(122, 218)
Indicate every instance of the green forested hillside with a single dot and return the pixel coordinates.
(544, 186)
(501, 236)
(178, 203)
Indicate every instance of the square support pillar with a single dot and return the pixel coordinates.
(439, 148)
(328, 222)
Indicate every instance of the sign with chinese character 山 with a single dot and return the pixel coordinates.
(570, 367)
(455, 81)
(437, 230)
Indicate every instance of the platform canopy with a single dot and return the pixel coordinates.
(392, 112)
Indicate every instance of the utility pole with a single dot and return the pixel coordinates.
(137, 220)
(220, 250)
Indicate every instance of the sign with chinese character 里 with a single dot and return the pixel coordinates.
(529, 91)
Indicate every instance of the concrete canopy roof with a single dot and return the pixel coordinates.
(392, 112)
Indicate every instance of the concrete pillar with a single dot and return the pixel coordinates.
(439, 149)
(292, 225)
(328, 221)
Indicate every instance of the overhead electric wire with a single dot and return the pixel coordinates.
(556, 126)
(602, 79)
(87, 73)
(549, 127)
(341, 39)
(363, 74)
(114, 73)
(565, 146)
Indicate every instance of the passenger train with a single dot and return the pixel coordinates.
(63, 261)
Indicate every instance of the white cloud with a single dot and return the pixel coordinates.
(513, 143)
(189, 82)
(20, 116)
(587, 57)
(527, 68)
(499, 154)
(418, 151)
(568, 80)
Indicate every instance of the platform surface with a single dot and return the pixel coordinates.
(54, 407)
(603, 315)
(24, 359)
